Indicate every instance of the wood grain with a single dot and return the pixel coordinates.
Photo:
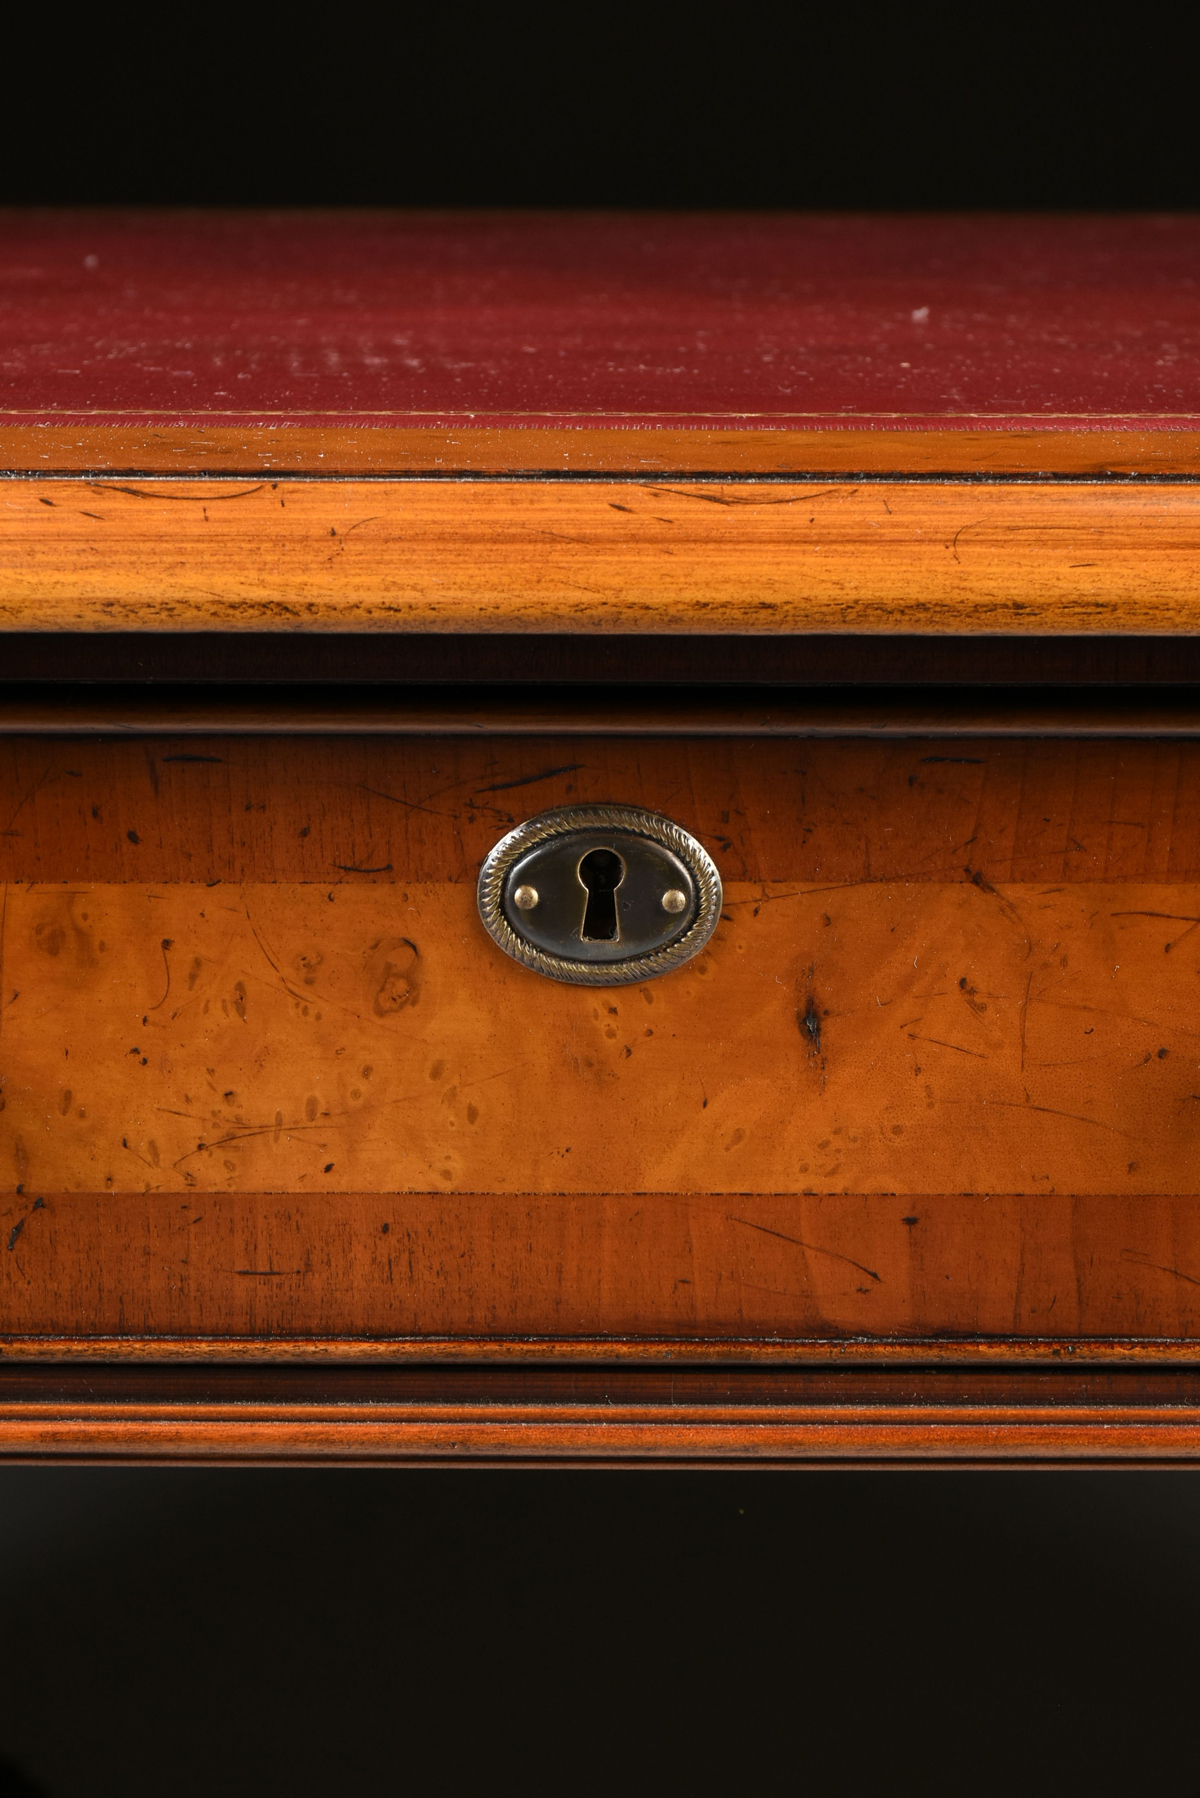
(828, 446)
(607, 1415)
(609, 1276)
(931, 1036)
(490, 1434)
(504, 556)
(343, 812)
(267, 1082)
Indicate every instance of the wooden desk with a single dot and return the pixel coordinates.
(331, 548)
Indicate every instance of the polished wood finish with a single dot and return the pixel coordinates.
(664, 449)
(293, 1164)
(334, 811)
(600, 557)
(271, 1092)
(932, 1036)
(836, 1434)
(644, 1276)
(679, 1416)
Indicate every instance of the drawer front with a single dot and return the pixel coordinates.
(269, 1086)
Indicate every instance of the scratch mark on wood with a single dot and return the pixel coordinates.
(191, 499)
(412, 804)
(975, 876)
(1051, 1111)
(1025, 1015)
(38, 784)
(501, 1074)
(813, 1248)
(529, 780)
(168, 943)
(937, 1041)
(272, 961)
(739, 499)
(1141, 1260)
(1174, 916)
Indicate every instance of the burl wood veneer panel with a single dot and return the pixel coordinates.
(264, 1073)
(870, 1039)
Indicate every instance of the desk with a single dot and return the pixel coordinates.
(333, 547)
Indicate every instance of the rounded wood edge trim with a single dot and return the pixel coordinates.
(600, 559)
(371, 448)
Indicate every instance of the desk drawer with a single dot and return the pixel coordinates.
(929, 1095)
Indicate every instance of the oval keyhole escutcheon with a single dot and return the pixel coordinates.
(600, 895)
(601, 872)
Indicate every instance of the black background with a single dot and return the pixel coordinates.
(837, 1635)
(891, 108)
(352, 1632)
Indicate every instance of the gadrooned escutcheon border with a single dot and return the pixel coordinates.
(567, 820)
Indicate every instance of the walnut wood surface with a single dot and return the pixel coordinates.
(599, 557)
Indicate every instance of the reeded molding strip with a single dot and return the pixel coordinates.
(614, 1434)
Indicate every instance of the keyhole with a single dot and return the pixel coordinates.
(601, 872)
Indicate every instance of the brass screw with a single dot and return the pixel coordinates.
(525, 898)
(673, 900)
